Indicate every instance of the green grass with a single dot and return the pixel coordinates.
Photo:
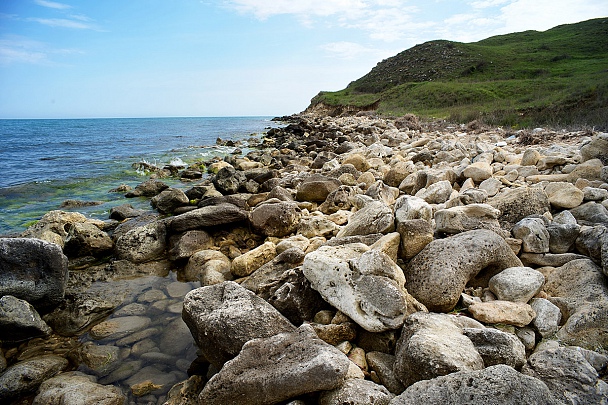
(556, 77)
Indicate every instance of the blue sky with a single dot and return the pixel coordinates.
(136, 58)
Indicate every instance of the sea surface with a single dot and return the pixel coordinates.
(44, 162)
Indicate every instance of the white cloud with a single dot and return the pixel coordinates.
(488, 3)
(53, 4)
(16, 50)
(62, 22)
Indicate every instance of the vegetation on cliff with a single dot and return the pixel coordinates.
(555, 77)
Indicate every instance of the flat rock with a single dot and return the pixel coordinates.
(549, 259)
(117, 328)
(479, 387)
(507, 312)
(274, 369)
(517, 284)
(211, 215)
(439, 273)
(76, 388)
(20, 321)
(33, 270)
(432, 345)
(24, 378)
(223, 317)
(466, 218)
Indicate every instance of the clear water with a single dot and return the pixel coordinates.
(45, 162)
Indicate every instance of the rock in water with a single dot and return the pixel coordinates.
(493, 385)
(439, 273)
(274, 369)
(20, 321)
(76, 388)
(223, 317)
(25, 377)
(33, 270)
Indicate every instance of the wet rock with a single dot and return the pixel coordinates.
(24, 377)
(86, 239)
(518, 284)
(568, 375)
(481, 386)
(33, 270)
(507, 312)
(431, 345)
(117, 328)
(249, 262)
(148, 188)
(364, 284)
(223, 317)
(143, 244)
(467, 218)
(169, 200)
(564, 195)
(533, 234)
(516, 204)
(316, 188)
(374, 217)
(211, 215)
(100, 360)
(439, 273)
(548, 316)
(150, 380)
(497, 347)
(124, 211)
(228, 180)
(276, 219)
(273, 369)
(20, 321)
(75, 388)
(356, 392)
(185, 245)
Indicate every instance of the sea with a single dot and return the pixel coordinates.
(44, 162)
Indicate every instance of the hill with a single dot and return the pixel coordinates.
(554, 77)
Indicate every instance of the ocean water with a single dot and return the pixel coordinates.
(45, 162)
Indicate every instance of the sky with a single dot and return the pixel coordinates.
(161, 58)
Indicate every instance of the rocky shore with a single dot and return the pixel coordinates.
(344, 260)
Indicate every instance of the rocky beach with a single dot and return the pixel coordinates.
(338, 260)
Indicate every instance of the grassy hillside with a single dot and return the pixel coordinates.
(555, 77)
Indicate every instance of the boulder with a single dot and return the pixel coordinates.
(591, 214)
(19, 321)
(562, 236)
(564, 195)
(124, 211)
(398, 173)
(381, 192)
(206, 266)
(511, 313)
(33, 270)
(185, 245)
(518, 284)
(498, 384)
(466, 218)
(270, 272)
(76, 388)
(415, 234)
(356, 392)
(337, 200)
(24, 378)
(382, 365)
(478, 171)
(274, 369)
(533, 234)
(143, 244)
(432, 345)
(518, 203)
(439, 273)
(148, 188)
(53, 226)
(223, 317)
(374, 217)
(364, 284)
(497, 347)
(436, 193)
(408, 207)
(548, 316)
(228, 180)
(316, 188)
(169, 199)
(211, 215)
(568, 375)
(276, 219)
(596, 149)
(249, 262)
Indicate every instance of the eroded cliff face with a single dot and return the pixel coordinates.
(323, 109)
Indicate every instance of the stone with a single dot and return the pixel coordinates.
(76, 388)
(381, 192)
(436, 193)
(595, 194)
(210, 215)
(223, 317)
(497, 347)
(19, 321)
(364, 284)
(316, 188)
(408, 207)
(530, 157)
(86, 239)
(358, 161)
(337, 200)
(564, 195)
(274, 369)
(466, 218)
(596, 149)
(186, 392)
(415, 234)
(100, 360)
(568, 375)
(148, 188)
(398, 173)
(143, 244)
(478, 171)
(335, 334)
(276, 219)
(548, 259)
(205, 261)
(453, 262)
(317, 226)
(382, 364)
(562, 236)
(432, 345)
(579, 289)
(249, 262)
(356, 392)
(33, 270)
(491, 186)
(591, 214)
(548, 316)
(518, 284)
(498, 384)
(533, 234)
(24, 378)
(374, 217)
(117, 328)
(169, 200)
(511, 313)
(516, 204)
(150, 379)
(185, 245)
(228, 180)
(591, 240)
